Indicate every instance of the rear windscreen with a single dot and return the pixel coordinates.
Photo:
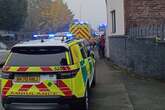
(38, 56)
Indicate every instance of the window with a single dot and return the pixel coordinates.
(84, 55)
(83, 51)
(113, 13)
(38, 56)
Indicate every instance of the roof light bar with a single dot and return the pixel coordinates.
(57, 36)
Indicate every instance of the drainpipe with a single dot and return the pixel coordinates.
(107, 32)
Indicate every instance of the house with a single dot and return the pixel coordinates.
(124, 14)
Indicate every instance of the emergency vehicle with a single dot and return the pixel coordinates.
(42, 73)
(81, 30)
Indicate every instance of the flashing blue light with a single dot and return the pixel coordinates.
(69, 35)
(81, 22)
(101, 25)
(96, 33)
(104, 24)
(45, 36)
(35, 36)
(51, 35)
(76, 22)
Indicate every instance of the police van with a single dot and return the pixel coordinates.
(42, 73)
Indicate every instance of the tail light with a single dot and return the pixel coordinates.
(67, 75)
(7, 75)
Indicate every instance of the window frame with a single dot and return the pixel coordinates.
(70, 56)
(113, 17)
(82, 48)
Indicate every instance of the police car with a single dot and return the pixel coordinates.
(42, 73)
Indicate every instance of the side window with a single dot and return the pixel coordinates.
(83, 52)
(86, 49)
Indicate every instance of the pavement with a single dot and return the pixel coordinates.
(110, 92)
(145, 93)
(118, 90)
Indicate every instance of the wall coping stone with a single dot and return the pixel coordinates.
(119, 36)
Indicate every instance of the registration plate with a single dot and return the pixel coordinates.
(27, 78)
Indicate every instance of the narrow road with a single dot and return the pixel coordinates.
(117, 90)
(109, 93)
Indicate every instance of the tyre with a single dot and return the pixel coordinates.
(4, 106)
(81, 104)
(94, 81)
(84, 105)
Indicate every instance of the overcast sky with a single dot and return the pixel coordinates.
(94, 11)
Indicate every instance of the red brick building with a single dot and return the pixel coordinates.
(125, 13)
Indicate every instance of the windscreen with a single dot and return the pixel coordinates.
(38, 56)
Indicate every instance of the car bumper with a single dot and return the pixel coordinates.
(35, 102)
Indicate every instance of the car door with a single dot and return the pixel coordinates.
(91, 60)
(88, 61)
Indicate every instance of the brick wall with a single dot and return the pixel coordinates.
(144, 12)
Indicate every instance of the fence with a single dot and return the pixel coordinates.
(148, 31)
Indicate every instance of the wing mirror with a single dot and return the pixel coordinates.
(90, 54)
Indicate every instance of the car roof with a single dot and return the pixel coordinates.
(47, 42)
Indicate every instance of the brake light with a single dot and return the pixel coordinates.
(7, 75)
(67, 75)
